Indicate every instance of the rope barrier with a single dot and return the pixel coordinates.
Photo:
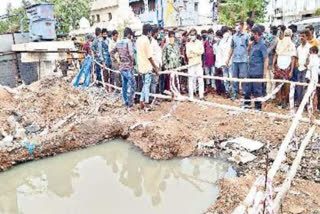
(253, 194)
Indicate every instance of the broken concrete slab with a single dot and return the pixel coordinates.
(247, 144)
(242, 157)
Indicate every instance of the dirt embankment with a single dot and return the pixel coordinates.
(56, 118)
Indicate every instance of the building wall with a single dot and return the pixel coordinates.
(11, 67)
(284, 11)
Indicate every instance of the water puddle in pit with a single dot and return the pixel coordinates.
(113, 178)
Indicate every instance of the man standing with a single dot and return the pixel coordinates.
(97, 49)
(115, 77)
(170, 60)
(258, 67)
(311, 39)
(239, 54)
(145, 64)
(157, 57)
(209, 61)
(222, 55)
(271, 47)
(195, 50)
(125, 50)
(303, 54)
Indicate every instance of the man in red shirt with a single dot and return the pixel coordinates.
(209, 61)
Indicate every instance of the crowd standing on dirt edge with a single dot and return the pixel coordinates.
(248, 51)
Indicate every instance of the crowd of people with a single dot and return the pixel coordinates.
(251, 52)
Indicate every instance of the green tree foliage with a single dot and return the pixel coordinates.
(233, 10)
(67, 13)
(11, 21)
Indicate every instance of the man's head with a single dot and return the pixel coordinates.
(281, 29)
(239, 26)
(256, 33)
(127, 33)
(171, 37)
(98, 32)
(263, 28)
(115, 35)
(304, 37)
(273, 30)
(310, 28)
(89, 38)
(193, 35)
(104, 33)
(219, 34)
(204, 34)
(210, 34)
(250, 24)
(294, 28)
(314, 50)
(155, 32)
(224, 29)
(146, 30)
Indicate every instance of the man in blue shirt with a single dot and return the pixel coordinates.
(258, 67)
(98, 53)
(239, 54)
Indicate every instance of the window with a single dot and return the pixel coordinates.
(93, 18)
(98, 18)
(196, 6)
(110, 16)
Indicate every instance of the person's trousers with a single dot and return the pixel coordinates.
(300, 90)
(254, 89)
(270, 85)
(226, 73)
(239, 70)
(98, 72)
(86, 71)
(210, 71)
(154, 83)
(146, 82)
(128, 87)
(196, 73)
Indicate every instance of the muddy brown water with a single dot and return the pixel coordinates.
(112, 178)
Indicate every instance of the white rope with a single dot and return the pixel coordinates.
(291, 97)
(217, 77)
(267, 97)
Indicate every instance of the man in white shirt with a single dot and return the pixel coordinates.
(157, 58)
(303, 54)
(313, 77)
(222, 50)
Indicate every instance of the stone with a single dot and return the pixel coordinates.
(242, 157)
(249, 145)
(7, 141)
(34, 128)
(273, 154)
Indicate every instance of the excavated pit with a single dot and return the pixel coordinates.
(56, 119)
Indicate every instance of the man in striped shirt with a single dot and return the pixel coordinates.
(124, 48)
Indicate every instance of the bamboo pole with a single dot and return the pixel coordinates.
(291, 174)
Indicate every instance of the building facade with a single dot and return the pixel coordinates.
(286, 11)
(167, 13)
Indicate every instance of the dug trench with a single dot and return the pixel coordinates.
(57, 118)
